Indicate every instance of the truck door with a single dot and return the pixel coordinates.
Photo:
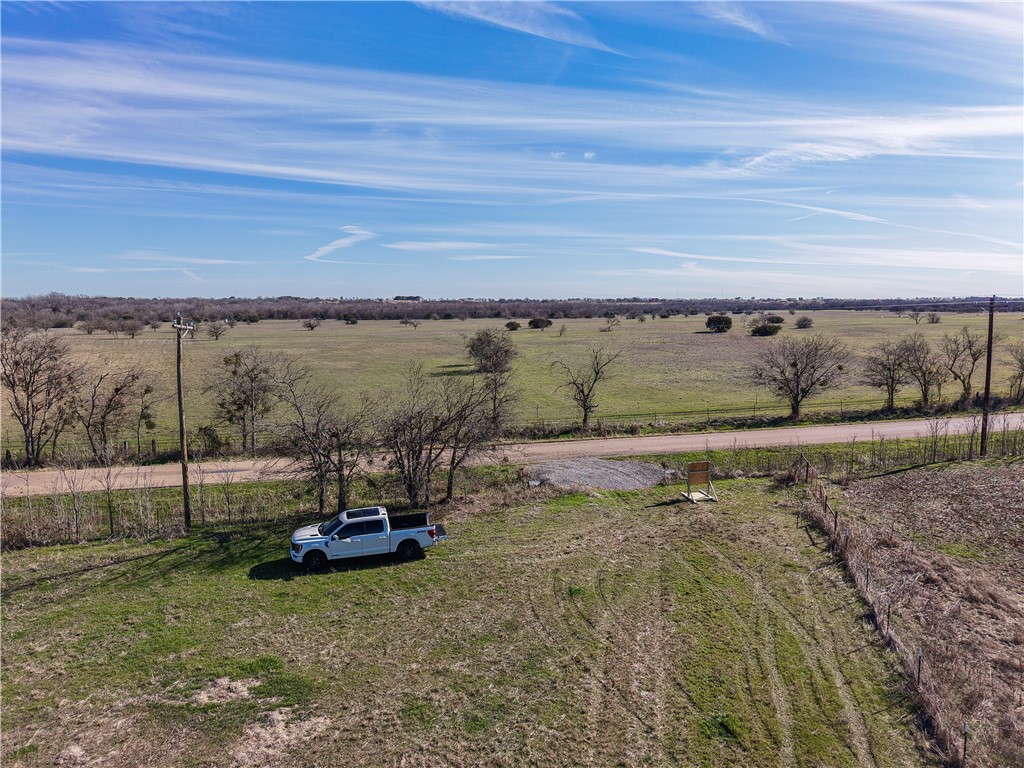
(347, 541)
(375, 539)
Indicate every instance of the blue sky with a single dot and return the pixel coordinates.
(483, 149)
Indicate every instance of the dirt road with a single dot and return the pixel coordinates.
(46, 481)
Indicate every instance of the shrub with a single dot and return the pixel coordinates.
(804, 322)
(765, 329)
(512, 325)
(719, 323)
(540, 322)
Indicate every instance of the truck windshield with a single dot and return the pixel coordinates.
(327, 527)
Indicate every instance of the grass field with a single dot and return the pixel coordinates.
(670, 368)
(603, 629)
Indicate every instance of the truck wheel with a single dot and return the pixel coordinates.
(314, 560)
(408, 550)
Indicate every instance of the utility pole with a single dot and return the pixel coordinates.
(988, 378)
(180, 329)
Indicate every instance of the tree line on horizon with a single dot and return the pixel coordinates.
(131, 315)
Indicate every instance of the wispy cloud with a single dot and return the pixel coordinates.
(102, 270)
(736, 15)
(162, 257)
(487, 258)
(356, 234)
(437, 245)
(540, 19)
(440, 136)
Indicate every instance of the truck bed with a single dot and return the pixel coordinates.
(414, 520)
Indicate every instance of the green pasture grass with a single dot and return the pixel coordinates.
(613, 628)
(670, 369)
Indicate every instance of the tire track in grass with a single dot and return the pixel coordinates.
(826, 657)
(782, 730)
(641, 650)
(609, 705)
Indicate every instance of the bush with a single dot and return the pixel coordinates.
(775, 319)
(765, 329)
(512, 325)
(540, 322)
(804, 322)
(719, 323)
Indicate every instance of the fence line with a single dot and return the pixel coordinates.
(164, 443)
(846, 540)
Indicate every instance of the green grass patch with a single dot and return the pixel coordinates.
(613, 629)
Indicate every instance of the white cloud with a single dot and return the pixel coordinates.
(355, 235)
(533, 18)
(436, 245)
(735, 15)
(161, 257)
(487, 258)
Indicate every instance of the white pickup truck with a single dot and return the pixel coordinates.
(364, 531)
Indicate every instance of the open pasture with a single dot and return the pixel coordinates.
(670, 369)
(619, 628)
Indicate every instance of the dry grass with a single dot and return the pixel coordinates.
(941, 551)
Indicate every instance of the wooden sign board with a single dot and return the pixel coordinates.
(699, 474)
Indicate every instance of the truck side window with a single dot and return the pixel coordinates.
(352, 529)
(373, 526)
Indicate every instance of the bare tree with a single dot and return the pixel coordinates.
(412, 426)
(885, 367)
(797, 368)
(217, 328)
(923, 365)
(73, 481)
(328, 440)
(408, 321)
(104, 405)
(466, 407)
(915, 316)
(582, 380)
(41, 381)
(1017, 373)
(111, 473)
(245, 385)
(147, 398)
(311, 323)
(609, 323)
(961, 353)
(132, 327)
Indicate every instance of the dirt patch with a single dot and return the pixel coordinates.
(580, 474)
(266, 742)
(224, 690)
(73, 755)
